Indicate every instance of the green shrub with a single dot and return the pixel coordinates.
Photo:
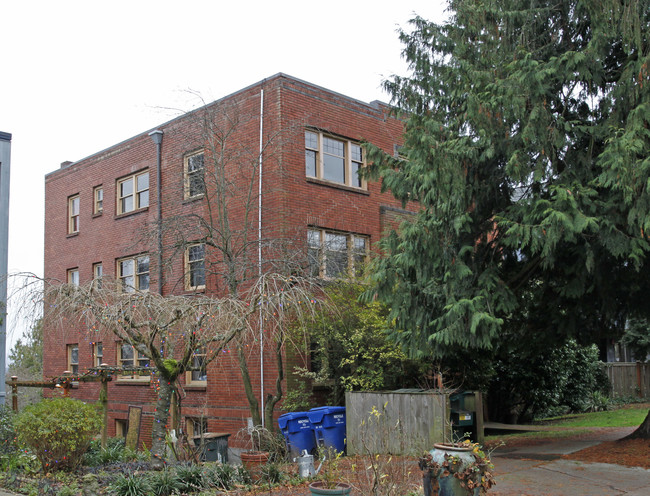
(130, 485)
(221, 476)
(190, 477)
(7, 431)
(165, 483)
(58, 431)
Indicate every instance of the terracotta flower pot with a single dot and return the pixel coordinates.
(319, 488)
(253, 461)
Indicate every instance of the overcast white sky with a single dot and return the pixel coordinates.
(79, 76)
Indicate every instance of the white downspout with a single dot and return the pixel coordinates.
(259, 254)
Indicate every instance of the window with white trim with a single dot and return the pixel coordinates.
(73, 276)
(195, 267)
(98, 273)
(127, 357)
(133, 192)
(194, 172)
(73, 214)
(334, 254)
(73, 358)
(98, 200)
(133, 273)
(198, 376)
(98, 354)
(333, 159)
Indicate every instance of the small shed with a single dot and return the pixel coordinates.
(407, 421)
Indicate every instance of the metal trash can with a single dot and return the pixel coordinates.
(463, 415)
(213, 447)
(329, 427)
(298, 433)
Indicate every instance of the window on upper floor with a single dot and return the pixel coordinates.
(133, 192)
(128, 357)
(98, 274)
(194, 174)
(98, 354)
(333, 159)
(98, 200)
(73, 358)
(133, 273)
(73, 276)
(195, 267)
(73, 214)
(334, 254)
(198, 376)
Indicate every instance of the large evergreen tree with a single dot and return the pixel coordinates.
(526, 146)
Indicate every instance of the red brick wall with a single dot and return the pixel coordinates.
(291, 203)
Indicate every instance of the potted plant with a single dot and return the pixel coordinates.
(457, 469)
(329, 482)
(254, 458)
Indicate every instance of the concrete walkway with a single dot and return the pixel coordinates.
(539, 470)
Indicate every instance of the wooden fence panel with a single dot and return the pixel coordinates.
(629, 379)
(396, 422)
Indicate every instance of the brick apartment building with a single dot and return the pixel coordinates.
(306, 139)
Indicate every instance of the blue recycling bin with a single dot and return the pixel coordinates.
(329, 426)
(298, 433)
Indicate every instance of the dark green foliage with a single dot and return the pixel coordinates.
(528, 149)
(221, 476)
(165, 483)
(114, 452)
(58, 431)
(190, 478)
(530, 383)
(7, 431)
(131, 484)
(637, 338)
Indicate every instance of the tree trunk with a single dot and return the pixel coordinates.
(159, 428)
(271, 399)
(643, 431)
(248, 387)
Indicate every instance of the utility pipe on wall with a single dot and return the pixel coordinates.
(259, 253)
(157, 137)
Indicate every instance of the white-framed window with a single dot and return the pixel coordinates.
(73, 276)
(195, 267)
(194, 174)
(73, 358)
(133, 192)
(333, 159)
(73, 214)
(198, 376)
(127, 357)
(333, 254)
(98, 274)
(98, 354)
(133, 273)
(98, 200)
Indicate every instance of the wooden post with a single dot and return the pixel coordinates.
(103, 399)
(639, 381)
(14, 393)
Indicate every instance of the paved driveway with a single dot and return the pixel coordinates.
(539, 470)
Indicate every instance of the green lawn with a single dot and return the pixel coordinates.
(627, 416)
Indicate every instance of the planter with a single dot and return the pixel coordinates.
(253, 461)
(450, 459)
(318, 487)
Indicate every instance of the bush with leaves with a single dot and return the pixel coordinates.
(58, 431)
(7, 431)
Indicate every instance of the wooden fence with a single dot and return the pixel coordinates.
(396, 422)
(629, 379)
